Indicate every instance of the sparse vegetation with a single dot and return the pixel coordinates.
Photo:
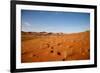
(43, 46)
(87, 31)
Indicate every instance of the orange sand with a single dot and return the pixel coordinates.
(59, 47)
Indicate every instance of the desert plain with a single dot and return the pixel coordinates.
(48, 46)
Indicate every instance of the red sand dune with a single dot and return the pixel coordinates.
(43, 47)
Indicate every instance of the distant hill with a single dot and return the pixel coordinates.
(40, 33)
(48, 33)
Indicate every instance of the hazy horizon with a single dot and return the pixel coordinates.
(52, 21)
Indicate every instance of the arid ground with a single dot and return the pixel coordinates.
(44, 47)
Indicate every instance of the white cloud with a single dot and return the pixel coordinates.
(26, 26)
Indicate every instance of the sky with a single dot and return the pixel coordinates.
(54, 21)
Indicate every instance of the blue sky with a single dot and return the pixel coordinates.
(52, 21)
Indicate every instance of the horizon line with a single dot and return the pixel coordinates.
(57, 32)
